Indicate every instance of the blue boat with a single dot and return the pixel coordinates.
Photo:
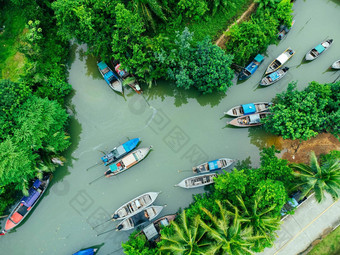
(90, 251)
(26, 204)
(245, 109)
(120, 151)
(213, 165)
(111, 79)
(251, 68)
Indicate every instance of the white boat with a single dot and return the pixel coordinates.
(251, 108)
(318, 50)
(336, 65)
(214, 165)
(280, 60)
(128, 161)
(274, 77)
(197, 181)
(146, 215)
(135, 205)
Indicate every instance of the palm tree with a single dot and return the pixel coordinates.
(319, 178)
(261, 221)
(229, 236)
(186, 239)
(147, 9)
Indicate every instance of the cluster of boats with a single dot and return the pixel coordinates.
(248, 115)
(116, 80)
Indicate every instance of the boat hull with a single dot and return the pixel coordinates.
(336, 65)
(115, 84)
(314, 54)
(246, 121)
(135, 205)
(267, 81)
(222, 163)
(280, 61)
(238, 111)
(197, 181)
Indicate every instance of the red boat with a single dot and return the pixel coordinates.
(126, 76)
(26, 204)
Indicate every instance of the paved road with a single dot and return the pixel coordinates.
(298, 231)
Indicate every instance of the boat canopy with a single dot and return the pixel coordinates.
(102, 65)
(259, 58)
(255, 118)
(248, 108)
(282, 58)
(131, 144)
(213, 165)
(319, 48)
(32, 197)
(128, 160)
(274, 76)
(165, 222)
(36, 183)
(109, 76)
(121, 150)
(113, 167)
(150, 232)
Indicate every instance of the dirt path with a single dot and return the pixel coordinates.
(223, 38)
(297, 152)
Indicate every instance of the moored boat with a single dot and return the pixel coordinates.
(111, 79)
(274, 77)
(197, 181)
(128, 79)
(280, 61)
(251, 68)
(249, 120)
(27, 203)
(284, 30)
(336, 65)
(152, 231)
(318, 50)
(213, 165)
(89, 251)
(251, 108)
(146, 215)
(135, 205)
(128, 161)
(120, 151)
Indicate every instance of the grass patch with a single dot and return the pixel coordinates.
(216, 25)
(11, 61)
(330, 245)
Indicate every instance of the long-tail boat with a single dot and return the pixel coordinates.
(251, 68)
(111, 79)
(27, 203)
(245, 109)
(89, 251)
(280, 60)
(197, 181)
(128, 161)
(135, 205)
(120, 151)
(249, 120)
(213, 165)
(318, 50)
(128, 79)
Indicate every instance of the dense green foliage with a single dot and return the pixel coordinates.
(32, 117)
(304, 114)
(319, 178)
(330, 245)
(204, 66)
(254, 36)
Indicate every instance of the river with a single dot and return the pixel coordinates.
(184, 128)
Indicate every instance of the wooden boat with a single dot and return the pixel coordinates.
(129, 79)
(249, 120)
(135, 205)
(274, 77)
(89, 251)
(245, 109)
(152, 232)
(197, 181)
(336, 65)
(280, 60)
(120, 151)
(111, 79)
(213, 165)
(146, 215)
(27, 203)
(251, 68)
(128, 161)
(284, 30)
(318, 50)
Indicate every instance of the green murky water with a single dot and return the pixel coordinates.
(184, 128)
